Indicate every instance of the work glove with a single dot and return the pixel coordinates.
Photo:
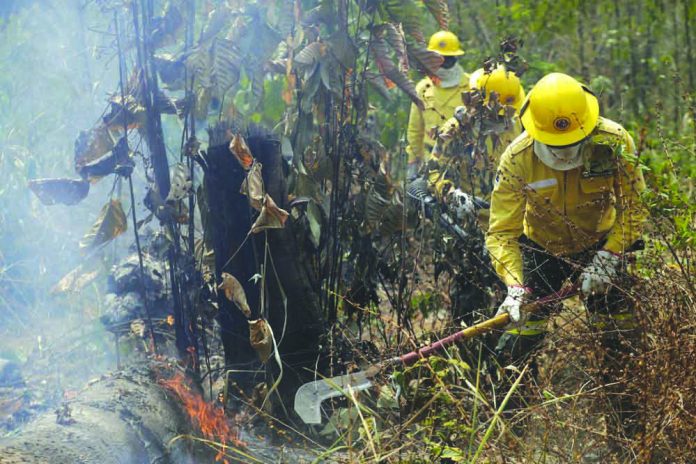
(517, 295)
(462, 204)
(597, 276)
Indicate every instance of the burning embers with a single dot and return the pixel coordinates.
(209, 418)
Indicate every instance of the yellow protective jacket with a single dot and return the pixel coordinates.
(439, 107)
(449, 168)
(566, 212)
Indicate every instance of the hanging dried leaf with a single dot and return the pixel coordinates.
(235, 293)
(311, 54)
(240, 150)
(65, 191)
(127, 111)
(75, 280)
(226, 62)
(406, 85)
(252, 186)
(261, 338)
(110, 224)
(377, 82)
(380, 50)
(271, 216)
(218, 19)
(343, 48)
(407, 13)
(92, 144)
(440, 11)
(181, 185)
(423, 59)
(394, 35)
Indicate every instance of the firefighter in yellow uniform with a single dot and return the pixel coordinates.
(461, 173)
(440, 94)
(461, 177)
(565, 207)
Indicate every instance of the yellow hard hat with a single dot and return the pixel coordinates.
(559, 111)
(445, 43)
(501, 81)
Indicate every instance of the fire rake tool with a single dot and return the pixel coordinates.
(309, 396)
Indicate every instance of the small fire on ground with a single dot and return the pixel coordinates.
(209, 418)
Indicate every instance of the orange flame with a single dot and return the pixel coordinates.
(210, 419)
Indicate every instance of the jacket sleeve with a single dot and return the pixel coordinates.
(630, 210)
(508, 204)
(415, 134)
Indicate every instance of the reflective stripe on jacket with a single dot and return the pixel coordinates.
(565, 212)
(439, 107)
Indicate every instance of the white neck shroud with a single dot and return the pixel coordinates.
(450, 77)
(559, 158)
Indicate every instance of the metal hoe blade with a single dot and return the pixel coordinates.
(309, 396)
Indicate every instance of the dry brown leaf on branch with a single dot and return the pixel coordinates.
(252, 186)
(235, 292)
(271, 216)
(261, 338)
(111, 223)
(181, 184)
(65, 191)
(75, 280)
(92, 144)
(240, 150)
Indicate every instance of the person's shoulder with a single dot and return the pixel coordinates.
(521, 143)
(517, 153)
(423, 85)
(608, 127)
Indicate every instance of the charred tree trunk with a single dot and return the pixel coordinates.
(127, 417)
(297, 327)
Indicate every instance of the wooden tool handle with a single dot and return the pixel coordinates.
(496, 322)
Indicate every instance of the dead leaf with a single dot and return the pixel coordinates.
(65, 191)
(261, 338)
(235, 293)
(181, 185)
(271, 216)
(75, 280)
(252, 186)
(111, 223)
(240, 150)
(92, 144)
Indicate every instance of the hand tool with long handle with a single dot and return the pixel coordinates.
(309, 396)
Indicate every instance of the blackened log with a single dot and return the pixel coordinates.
(127, 417)
(301, 324)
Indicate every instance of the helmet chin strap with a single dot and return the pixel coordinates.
(559, 158)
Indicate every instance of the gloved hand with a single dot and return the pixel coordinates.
(461, 203)
(517, 296)
(597, 276)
